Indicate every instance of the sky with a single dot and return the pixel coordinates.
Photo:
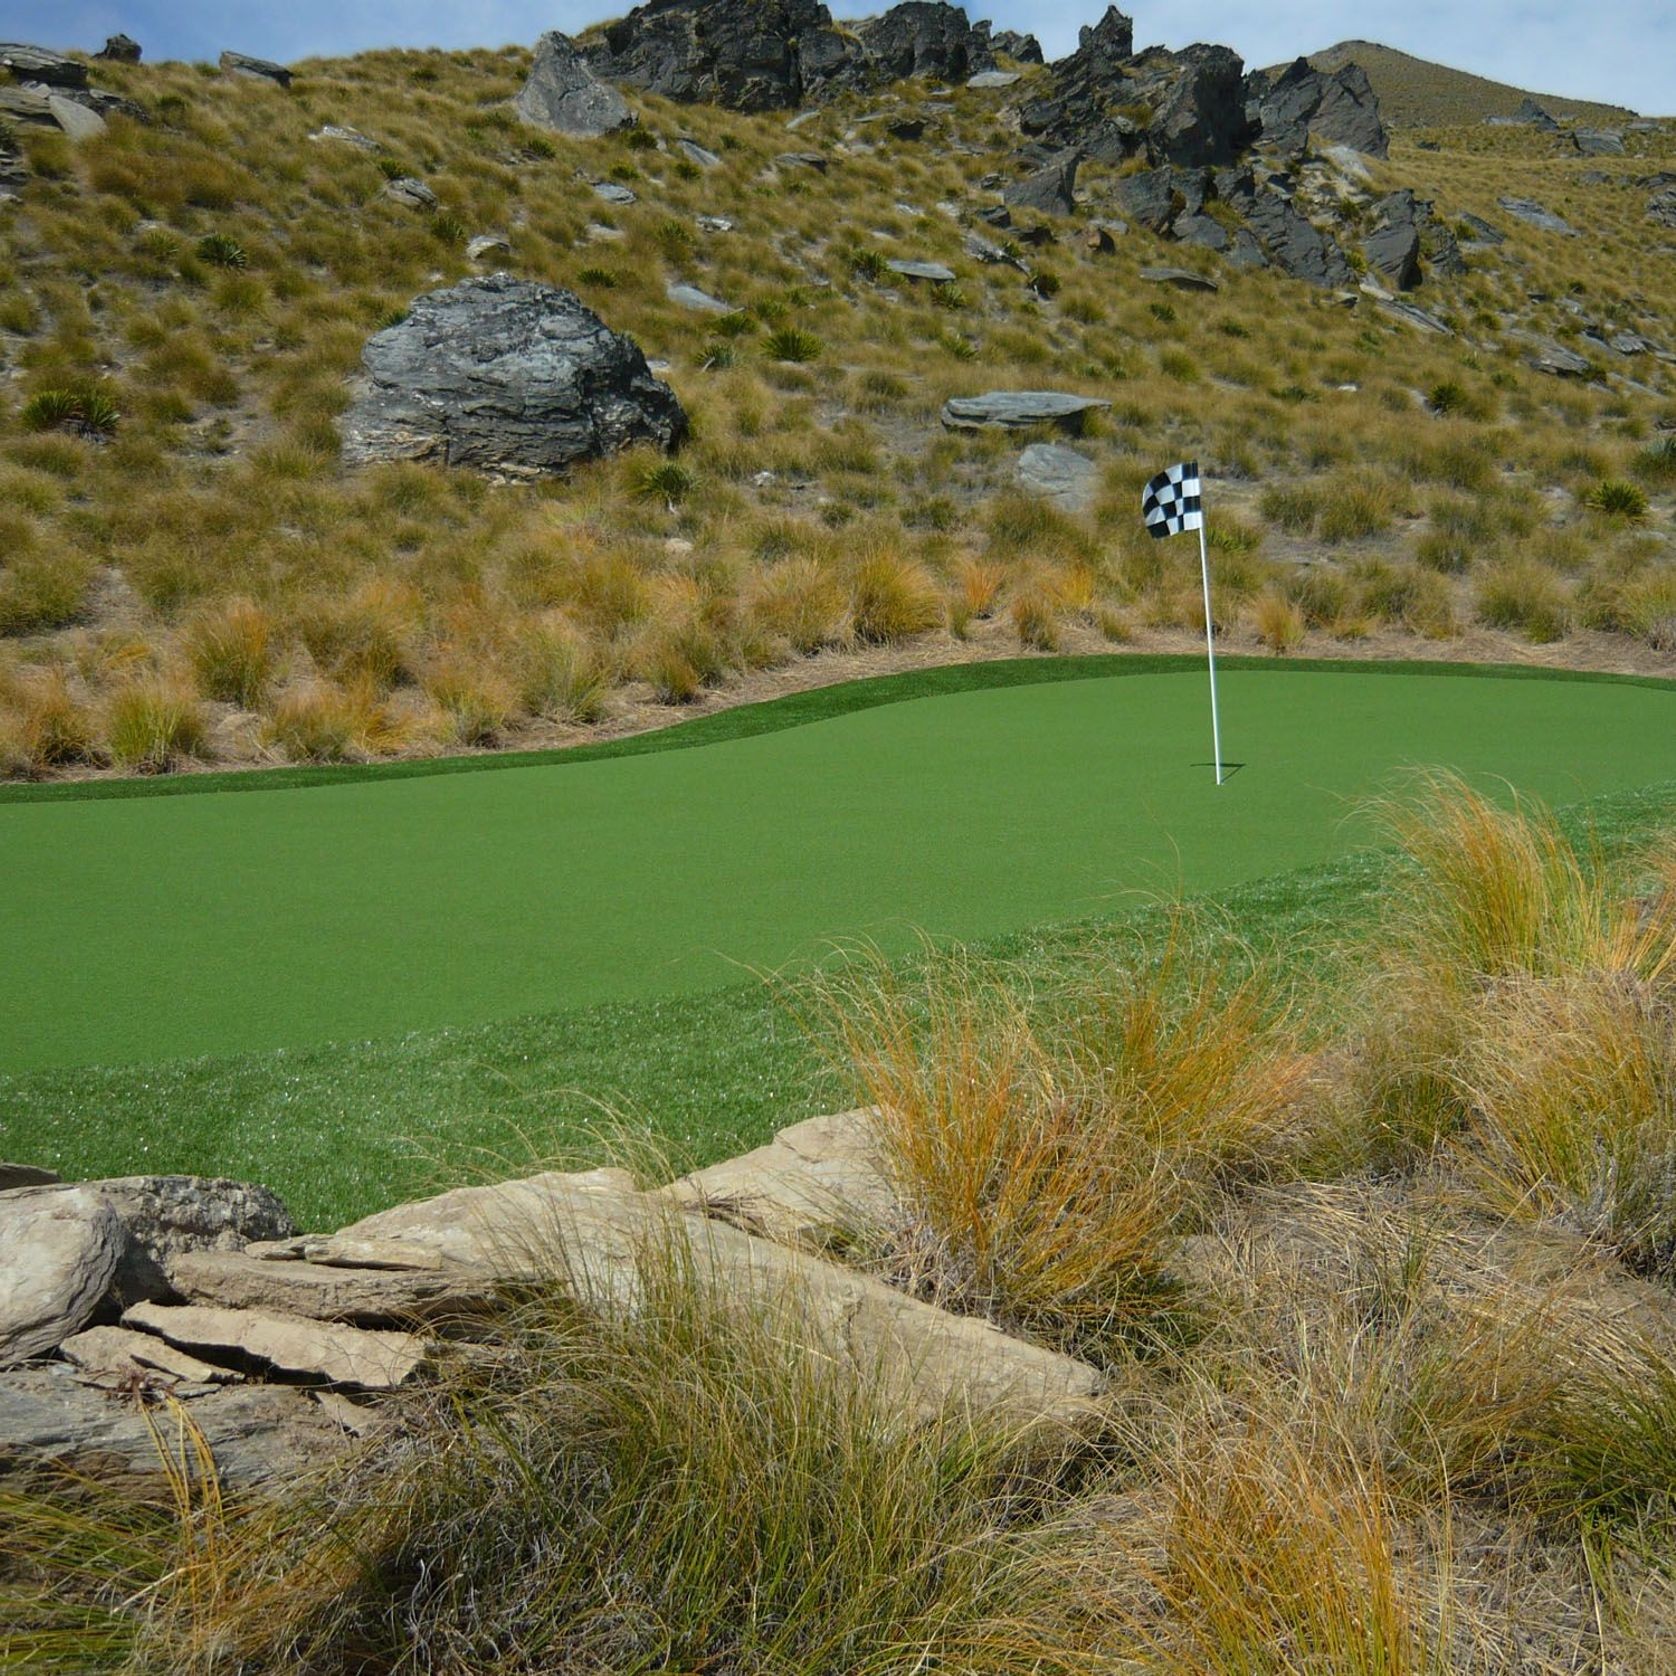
(1618, 51)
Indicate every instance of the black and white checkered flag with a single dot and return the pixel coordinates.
(1172, 501)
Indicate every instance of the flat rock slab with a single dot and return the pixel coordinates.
(414, 193)
(344, 1253)
(802, 160)
(695, 153)
(1181, 279)
(591, 1232)
(75, 119)
(612, 193)
(37, 64)
(61, 1246)
(326, 1292)
(817, 1183)
(993, 78)
(487, 244)
(1414, 315)
(1534, 215)
(1064, 476)
(345, 136)
(117, 1356)
(257, 1432)
(932, 271)
(292, 1344)
(701, 302)
(1018, 409)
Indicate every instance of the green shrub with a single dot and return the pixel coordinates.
(86, 410)
(1292, 506)
(791, 343)
(1617, 499)
(1527, 597)
(666, 480)
(868, 263)
(222, 251)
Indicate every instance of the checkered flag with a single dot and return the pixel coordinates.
(1172, 501)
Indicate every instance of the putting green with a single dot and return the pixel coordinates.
(148, 927)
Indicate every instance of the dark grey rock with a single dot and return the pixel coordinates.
(1199, 98)
(1532, 115)
(1414, 315)
(1022, 49)
(1442, 253)
(1205, 231)
(414, 193)
(1598, 142)
(1061, 474)
(1661, 208)
(997, 215)
(1018, 409)
(923, 38)
(1393, 247)
(563, 95)
(1052, 189)
(238, 64)
(1554, 358)
(1534, 215)
(1482, 230)
(508, 376)
(909, 128)
(36, 64)
(120, 49)
(1287, 237)
(1150, 199)
(1336, 108)
(802, 160)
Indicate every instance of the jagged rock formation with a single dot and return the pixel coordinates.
(1301, 103)
(120, 49)
(507, 376)
(756, 55)
(1022, 49)
(48, 90)
(563, 94)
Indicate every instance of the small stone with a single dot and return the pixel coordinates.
(993, 78)
(713, 224)
(695, 153)
(345, 136)
(935, 272)
(908, 128)
(239, 64)
(413, 193)
(486, 244)
(612, 193)
(689, 296)
(802, 160)
(1181, 279)
(329, 1351)
(1534, 215)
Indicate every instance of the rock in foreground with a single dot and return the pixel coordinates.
(506, 376)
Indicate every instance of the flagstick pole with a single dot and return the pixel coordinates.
(1210, 652)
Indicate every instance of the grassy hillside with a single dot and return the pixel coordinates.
(188, 575)
(1415, 93)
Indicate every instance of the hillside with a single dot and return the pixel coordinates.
(192, 573)
(1415, 93)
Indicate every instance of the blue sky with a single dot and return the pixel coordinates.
(1621, 51)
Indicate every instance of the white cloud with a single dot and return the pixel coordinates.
(1621, 51)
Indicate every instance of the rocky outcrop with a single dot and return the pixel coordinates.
(120, 49)
(1333, 108)
(506, 376)
(1661, 208)
(1022, 49)
(563, 95)
(755, 55)
(1289, 239)
(36, 64)
(259, 69)
(1529, 115)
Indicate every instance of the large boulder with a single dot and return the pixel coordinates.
(119, 49)
(563, 94)
(1198, 97)
(62, 1246)
(1334, 107)
(924, 38)
(506, 376)
(1393, 247)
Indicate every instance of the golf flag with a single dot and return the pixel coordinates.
(1172, 502)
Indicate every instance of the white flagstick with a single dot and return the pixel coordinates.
(1210, 643)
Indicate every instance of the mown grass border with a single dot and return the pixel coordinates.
(773, 715)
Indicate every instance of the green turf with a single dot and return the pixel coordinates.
(154, 928)
(345, 1129)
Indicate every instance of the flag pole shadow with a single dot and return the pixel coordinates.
(1229, 769)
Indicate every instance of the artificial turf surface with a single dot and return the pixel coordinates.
(150, 928)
